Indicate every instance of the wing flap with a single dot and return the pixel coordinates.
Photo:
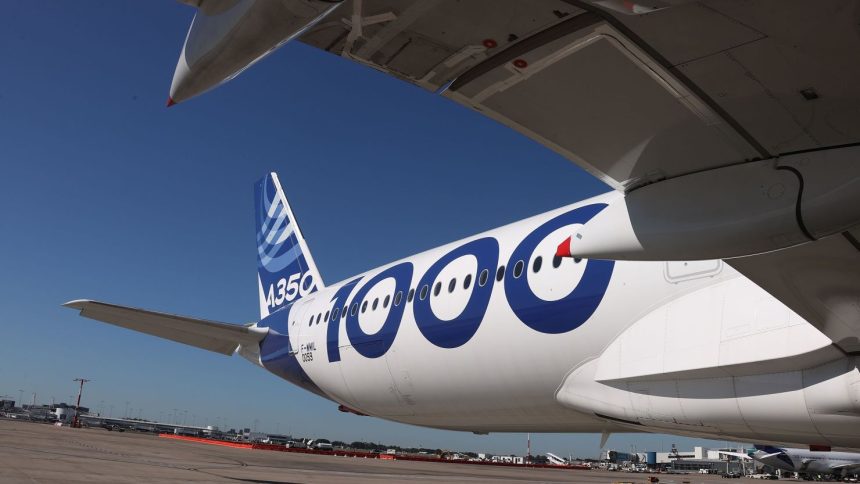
(208, 335)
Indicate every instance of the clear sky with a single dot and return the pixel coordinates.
(106, 194)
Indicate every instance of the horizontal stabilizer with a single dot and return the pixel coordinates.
(208, 335)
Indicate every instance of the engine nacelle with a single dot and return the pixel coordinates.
(228, 36)
(734, 211)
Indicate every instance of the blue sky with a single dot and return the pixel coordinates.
(106, 194)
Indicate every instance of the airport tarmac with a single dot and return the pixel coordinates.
(39, 453)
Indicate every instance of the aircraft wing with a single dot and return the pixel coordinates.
(732, 128)
(634, 92)
(208, 335)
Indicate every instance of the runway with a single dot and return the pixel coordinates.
(38, 453)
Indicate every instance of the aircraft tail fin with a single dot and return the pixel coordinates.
(286, 270)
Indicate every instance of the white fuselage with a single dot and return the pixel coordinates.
(675, 347)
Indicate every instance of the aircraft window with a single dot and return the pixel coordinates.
(325, 318)
(556, 261)
(452, 285)
(319, 316)
(375, 303)
(518, 269)
(335, 313)
(354, 309)
(467, 281)
(411, 295)
(385, 303)
(537, 263)
(437, 289)
(485, 274)
(424, 292)
(577, 259)
(364, 307)
(343, 314)
(311, 321)
(398, 297)
(500, 274)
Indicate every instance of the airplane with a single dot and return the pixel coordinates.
(803, 461)
(713, 292)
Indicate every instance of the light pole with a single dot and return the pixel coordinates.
(21, 398)
(75, 423)
(529, 448)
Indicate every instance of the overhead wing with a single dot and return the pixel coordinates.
(208, 335)
(633, 98)
(635, 92)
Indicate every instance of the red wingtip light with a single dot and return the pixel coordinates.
(564, 249)
(170, 102)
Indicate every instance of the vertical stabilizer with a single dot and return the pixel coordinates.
(285, 268)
